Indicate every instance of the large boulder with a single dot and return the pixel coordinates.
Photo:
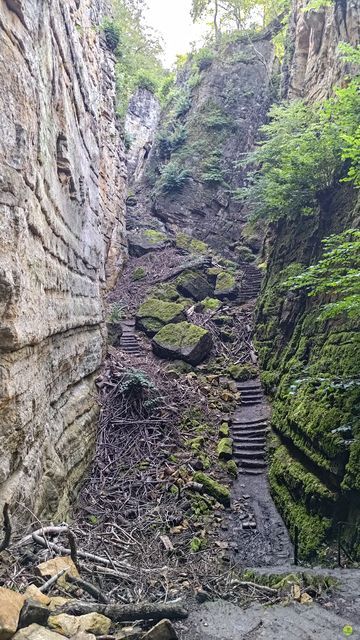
(194, 285)
(145, 240)
(11, 604)
(183, 341)
(154, 314)
(226, 286)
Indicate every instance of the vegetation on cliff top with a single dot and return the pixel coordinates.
(307, 149)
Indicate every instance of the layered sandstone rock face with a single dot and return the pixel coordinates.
(61, 228)
(142, 119)
(313, 66)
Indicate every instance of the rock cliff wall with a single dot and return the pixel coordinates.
(141, 122)
(61, 229)
(312, 66)
(311, 367)
(210, 122)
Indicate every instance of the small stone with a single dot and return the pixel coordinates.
(296, 592)
(202, 596)
(82, 635)
(33, 612)
(33, 593)
(246, 497)
(11, 604)
(129, 633)
(69, 625)
(249, 525)
(305, 599)
(57, 601)
(54, 566)
(162, 631)
(36, 632)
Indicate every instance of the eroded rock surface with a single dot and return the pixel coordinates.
(313, 64)
(61, 192)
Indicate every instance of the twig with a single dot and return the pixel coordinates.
(73, 549)
(88, 587)
(128, 612)
(44, 587)
(6, 528)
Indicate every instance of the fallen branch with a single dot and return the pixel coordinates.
(254, 585)
(88, 587)
(51, 530)
(6, 528)
(44, 587)
(66, 552)
(128, 612)
(73, 549)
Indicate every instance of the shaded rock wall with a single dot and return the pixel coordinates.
(207, 128)
(61, 229)
(309, 367)
(141, 122)
(312, 66)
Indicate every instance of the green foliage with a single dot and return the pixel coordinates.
(137, 50)
(318, 4)
(213, 116)
(337, 274)
(303, 154)
(212, 169)
(116, 312)
(237, 14)
(173, 177)
(171, 139)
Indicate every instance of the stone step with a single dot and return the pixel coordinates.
(248, 446)
(251, 393)
(256, 426)
(252, 442)
(255, 454)
(247, 423)
(251, 403)
(251, 472)
(253, 464)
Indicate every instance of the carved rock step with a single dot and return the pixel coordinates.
(249, 447)
(252, 464)
(257, 453)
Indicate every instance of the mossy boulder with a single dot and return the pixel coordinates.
(183, 341)
(225, 448)
(211, 487)
(183, 241)
(212, 273)
(244, 254)
(139, 273)
(224, 430)
(154, 314)
(226, 286)
(194, 285)
(232, 468)
(146, 240)
(166, 292)
(242, 372)
(211, 304)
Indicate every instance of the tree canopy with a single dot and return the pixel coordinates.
(237, 14)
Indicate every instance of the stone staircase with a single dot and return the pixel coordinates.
(128, 341)
(249, 429)
(251, 283)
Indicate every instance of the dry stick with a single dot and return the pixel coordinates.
(73, 549)
(7, 528)
(128, 612)
(43, 531)
(64, 551)
(88, 587)
(44, 587)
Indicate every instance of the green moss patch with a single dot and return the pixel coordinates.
(183, 341)
(211, 304)
(192, 284)
(154, 237)
(139, 273)
(153, 314)
(218, 491)
(183, 241)
(242, 372)
(226, 285)
(225, 449)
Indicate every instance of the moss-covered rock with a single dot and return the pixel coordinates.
(232, 468)
(183, 241)
(139, 273)
(167, 292)
(213, 488)
(192, 284)
(146, 240)
(211, 304)
(224, 430)
(153, 314)
(183, 341)
(242, 372)
(244, 254)
(226, 286)
(225, 448)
